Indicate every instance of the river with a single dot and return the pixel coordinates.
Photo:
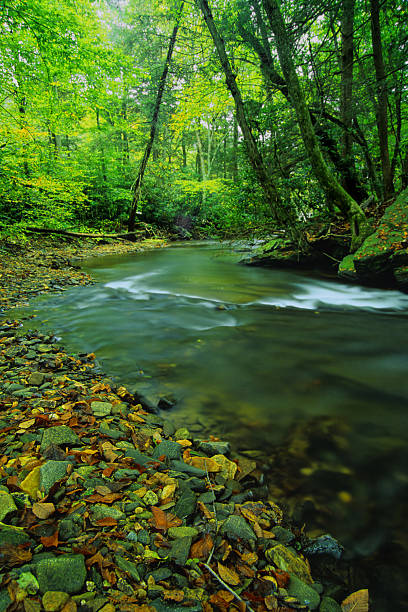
(307, 374)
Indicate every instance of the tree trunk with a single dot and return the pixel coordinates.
(234, 169)
(255, 158)
(137, 186)
(382, 99)
(335, 193)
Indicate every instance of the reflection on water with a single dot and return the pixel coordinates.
(266, 358)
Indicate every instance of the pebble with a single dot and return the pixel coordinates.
(67, 570)
(53, 601)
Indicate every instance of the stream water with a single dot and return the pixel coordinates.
(309, 374)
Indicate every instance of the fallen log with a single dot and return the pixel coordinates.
(130, 236)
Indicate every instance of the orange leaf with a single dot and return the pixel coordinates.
(43, 510)
(107, 472)
(159, 519)
(107, 522)
(229, 576)
(104, 499)
(51, 540)
(175, 595)
(202, 548)
(221, 598)
(203, 508)
(356, 602)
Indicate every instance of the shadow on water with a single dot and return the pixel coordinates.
(308, 375)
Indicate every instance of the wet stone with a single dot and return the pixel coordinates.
(69, 528)
(101, 409)
(325, 545)
(214, 448)
(186, 504)
(101, 511)
(53, 601)
(7, 505)
(236, 527)
(180, 550)
(329, 605)
(52, 472)
(304, 593)
(5, 600)
(169, 449)
(182, 467)
(59, 435)
(284, 536)
(67, 570)
(36, 379)
(127, 566)
(182, 532)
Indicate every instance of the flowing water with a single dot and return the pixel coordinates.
(311, 372)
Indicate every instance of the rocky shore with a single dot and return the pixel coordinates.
(105, 506)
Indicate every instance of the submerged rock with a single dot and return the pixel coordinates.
(68, 571)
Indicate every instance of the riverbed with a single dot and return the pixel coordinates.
(281, 364)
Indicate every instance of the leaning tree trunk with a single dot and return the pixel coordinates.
(335, 193)
(255, 158)
(137, 185)
(382, 99)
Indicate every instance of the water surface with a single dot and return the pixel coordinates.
(252, 354)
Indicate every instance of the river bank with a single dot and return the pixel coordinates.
(112, 502)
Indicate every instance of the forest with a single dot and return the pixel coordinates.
(180, 433)
(205, 121)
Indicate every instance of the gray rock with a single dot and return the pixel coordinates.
(236, 527)
(127, 566)
(59, 435)
(169, 449)
(207, 498)
(182, 532)
(180, 466)
(68, 571)
(215, 448)
(161, 606)
(13, 536)
(325, 545)
(114, 434)
(101, 511)
(180, 550)
(69, 528)
(284, 536)
(182, 434)
(329, 605)
(28, 582)
(304, 593)
(7, 505)
(168, 428)
(186, 504)
(52, 472)
(101, 409)
(36, 379)
(5, 600)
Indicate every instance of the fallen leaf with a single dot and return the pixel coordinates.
(104, 499)
(159, 519)
(43, 510)
(356, 602)
(27, 424)
(50, 541)
(202, 548)
(229, 575)
(107, 522)
(222, 598)
(12, 556)
(174, 595)
(205, 463)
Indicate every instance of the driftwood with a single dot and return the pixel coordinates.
(131, 236)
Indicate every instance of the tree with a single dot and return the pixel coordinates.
(335, 193)
(137, 186)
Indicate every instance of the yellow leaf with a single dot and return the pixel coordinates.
(204, 463)
(229, 576)
(356, 602)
